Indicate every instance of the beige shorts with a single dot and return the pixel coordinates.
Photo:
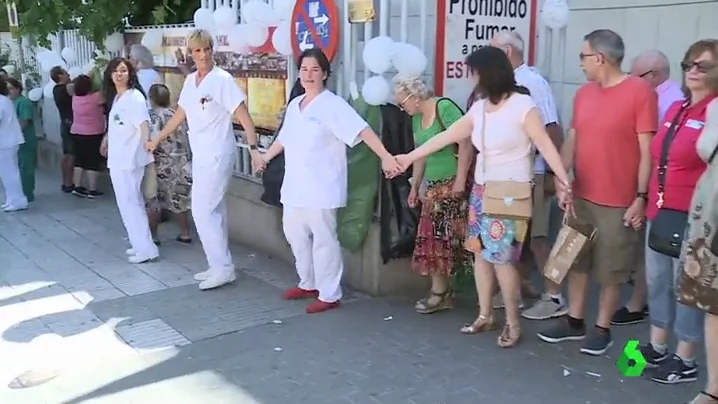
(540, 215)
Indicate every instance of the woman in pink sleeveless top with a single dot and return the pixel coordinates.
(88, 129)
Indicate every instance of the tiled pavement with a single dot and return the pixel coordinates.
(110, 332)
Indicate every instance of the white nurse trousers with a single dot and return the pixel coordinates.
(10, 177)
(127, 185)
(312, 235)
(210, 180)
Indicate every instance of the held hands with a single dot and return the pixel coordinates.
(151, 145)
(258, 162)
(635, 215)
(391, 167)
(564, 192)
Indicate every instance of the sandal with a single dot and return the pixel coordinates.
(445, 301)
(706, 394)
(481, 324)
(184, 239)
(510, 336)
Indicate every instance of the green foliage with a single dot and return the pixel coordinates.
(97, 18)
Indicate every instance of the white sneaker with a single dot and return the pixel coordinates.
(4, 205)
(130, 251)
(203, 276)
(498, 302)
(218, 279)
(10, 208)
(137, 259)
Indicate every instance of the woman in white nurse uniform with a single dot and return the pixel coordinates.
(10, 140)
(318, 127)
(210, 98)
(128, 130)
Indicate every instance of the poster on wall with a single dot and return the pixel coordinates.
(262, 74)
(464, 26)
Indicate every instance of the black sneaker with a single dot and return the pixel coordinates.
(653, 357)
(624, 317)
(597, 342)
(68, 189)
(80, 191)
(674, 371)
(561, 332)
(93, 194)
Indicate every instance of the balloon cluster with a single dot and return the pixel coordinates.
(258, 17)
(380, 55)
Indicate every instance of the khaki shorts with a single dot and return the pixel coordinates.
(540, 215)
(617, 250)
(149, 183)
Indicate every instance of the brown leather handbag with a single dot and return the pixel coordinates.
(504, 199)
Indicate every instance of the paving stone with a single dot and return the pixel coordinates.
(151, 335)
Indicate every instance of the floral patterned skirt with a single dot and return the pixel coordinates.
(174, 180)
(697, 283)
(499, 241)
(439, 247)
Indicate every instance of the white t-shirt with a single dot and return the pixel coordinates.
(543, 98)
(209, 108)
(125, 148)
(10, 130)
(509, 150)
(315, 155)
(147, 78)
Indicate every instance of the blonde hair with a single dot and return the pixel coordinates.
(413, 86)
(199, 39)
(695, 51)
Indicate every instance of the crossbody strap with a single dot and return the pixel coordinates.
(665, 151)
(483, 141)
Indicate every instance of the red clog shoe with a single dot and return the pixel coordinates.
(320, 306)
(299, 293)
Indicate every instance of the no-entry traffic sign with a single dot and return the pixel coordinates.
(315, 24)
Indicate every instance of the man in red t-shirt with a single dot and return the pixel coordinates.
(614, 118)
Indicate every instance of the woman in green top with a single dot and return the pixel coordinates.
(27, 155)
(439, 249)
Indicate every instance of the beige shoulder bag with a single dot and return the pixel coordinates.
(504, 199)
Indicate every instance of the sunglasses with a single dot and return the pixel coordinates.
(702, 66)
(401, 104)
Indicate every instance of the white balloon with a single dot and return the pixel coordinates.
(409, 60)
(74, 72)
(114, 42)
(282, 39)
(237, 36)
(257, 35)
(10, 69)
(69, 55)
(152, 39)
(555, 14)
(376, 90)
(225, 18)
(35, 94)
(204, 19)
(88, 67)
(47, 91)
(49, 59)
(283, 9)
(258, 12)
(377, 54)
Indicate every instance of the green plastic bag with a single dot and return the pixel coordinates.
(354, 220)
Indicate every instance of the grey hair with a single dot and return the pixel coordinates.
(512, 39)
(412, 85)
(142, 55)
(607, 43)
(656, 59)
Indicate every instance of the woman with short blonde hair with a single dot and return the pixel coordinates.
(439, 251)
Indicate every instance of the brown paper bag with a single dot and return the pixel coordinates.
(572, 241)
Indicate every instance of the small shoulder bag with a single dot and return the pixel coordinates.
(669, 227)
(504, 199)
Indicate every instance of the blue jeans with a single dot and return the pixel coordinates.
(661, 277)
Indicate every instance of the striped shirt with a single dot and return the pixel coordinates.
(543, 98)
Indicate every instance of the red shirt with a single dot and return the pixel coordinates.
(684, 164)
(607, 122)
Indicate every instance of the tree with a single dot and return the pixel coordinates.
(97, 18)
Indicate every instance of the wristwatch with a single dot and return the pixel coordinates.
(642, 195)
(253, 147)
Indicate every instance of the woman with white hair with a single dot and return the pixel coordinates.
(144, 63)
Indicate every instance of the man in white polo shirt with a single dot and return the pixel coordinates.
(552, 304)
(210, 98)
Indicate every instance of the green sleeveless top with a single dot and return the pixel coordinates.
(443, 164)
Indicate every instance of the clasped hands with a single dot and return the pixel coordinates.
(394, 166)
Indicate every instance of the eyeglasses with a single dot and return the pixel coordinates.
(583, 56)
(702, 66)
(401, 104)
(646, 73)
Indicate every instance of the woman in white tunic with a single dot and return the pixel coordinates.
(128, 130)
(318, 127)
(210, 98)
(10, 140)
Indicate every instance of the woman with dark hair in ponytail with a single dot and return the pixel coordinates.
(503, 125)
(128, 131)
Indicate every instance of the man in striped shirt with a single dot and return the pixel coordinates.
(552, 303)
